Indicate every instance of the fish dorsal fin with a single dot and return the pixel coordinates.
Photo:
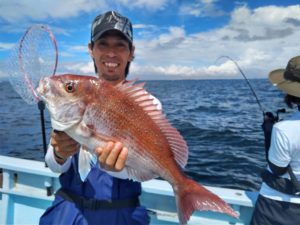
(145, 100)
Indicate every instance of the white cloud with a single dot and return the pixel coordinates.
(260, 40)
(166, 43)
(78, 68)
(175, 36)
(146, 4)
(31, 9)
(143, 26)
(201, 8)
(6, 46)
(264, 22)
(183, 72)
(79, 48)
(57, 9)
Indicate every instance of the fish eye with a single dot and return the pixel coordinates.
(70, 87)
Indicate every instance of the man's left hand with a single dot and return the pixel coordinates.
(112, 156)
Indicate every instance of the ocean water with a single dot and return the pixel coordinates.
(219, 119)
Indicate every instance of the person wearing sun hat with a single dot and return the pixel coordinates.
(288, 80)
(106, 196)
(279, 196)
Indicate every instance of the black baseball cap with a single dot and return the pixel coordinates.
(111, 20)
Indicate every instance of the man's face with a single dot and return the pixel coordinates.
(111, 54)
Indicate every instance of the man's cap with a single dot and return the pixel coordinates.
(288, 79)
(111, 20)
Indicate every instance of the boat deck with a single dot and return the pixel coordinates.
(27, 187)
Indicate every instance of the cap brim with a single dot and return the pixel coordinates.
(290, 87)
(99, 34)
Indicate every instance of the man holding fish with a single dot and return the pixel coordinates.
(112, 50)
(121, 126)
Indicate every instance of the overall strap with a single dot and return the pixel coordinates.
(95, 204)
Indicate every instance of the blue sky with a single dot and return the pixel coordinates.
(174, 39)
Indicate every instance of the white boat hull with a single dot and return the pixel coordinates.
(25, 186)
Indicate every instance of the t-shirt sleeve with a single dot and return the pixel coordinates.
(279, 150)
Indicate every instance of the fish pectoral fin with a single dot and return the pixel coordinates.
(85, 162)
(140, 175)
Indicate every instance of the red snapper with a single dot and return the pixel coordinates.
(94, 112)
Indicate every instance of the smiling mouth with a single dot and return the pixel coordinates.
(111, 65)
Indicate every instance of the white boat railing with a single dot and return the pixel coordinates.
(27, 188)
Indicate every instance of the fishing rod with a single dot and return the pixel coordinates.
(268, 118)
(249, 84)
(268, 114)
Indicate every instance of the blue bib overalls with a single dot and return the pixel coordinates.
(98, 185)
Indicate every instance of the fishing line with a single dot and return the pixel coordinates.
(249, 84)
(33, 57)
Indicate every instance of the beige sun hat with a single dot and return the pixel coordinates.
(288, 79)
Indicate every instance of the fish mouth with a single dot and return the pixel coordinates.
(63, 125)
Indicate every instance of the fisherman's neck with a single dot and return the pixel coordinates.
(112, 81)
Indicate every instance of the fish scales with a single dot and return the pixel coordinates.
(128, 117)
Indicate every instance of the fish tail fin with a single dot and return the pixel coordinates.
(86, 161)
(192, 196)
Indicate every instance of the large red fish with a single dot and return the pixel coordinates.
(94, 112)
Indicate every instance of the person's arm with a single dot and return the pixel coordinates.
(277, 170)
(53, 164)
(60, 151)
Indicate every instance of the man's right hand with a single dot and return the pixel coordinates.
(63, 146)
